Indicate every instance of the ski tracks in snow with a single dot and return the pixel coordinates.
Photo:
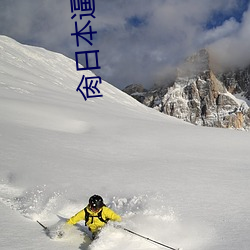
(39, 203)
(32, 204)
(144, 214)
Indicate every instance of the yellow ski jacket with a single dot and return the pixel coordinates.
(94, 223)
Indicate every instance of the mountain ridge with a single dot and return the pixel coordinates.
(200, 95)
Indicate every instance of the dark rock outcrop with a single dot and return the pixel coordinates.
(200, 96)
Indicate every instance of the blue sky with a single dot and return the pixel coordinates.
(218, 17)
(140, 41)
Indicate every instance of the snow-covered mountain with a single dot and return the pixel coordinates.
(201, 96)
(182, 185)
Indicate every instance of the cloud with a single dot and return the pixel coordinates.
(140, 41)
(228, 28)
(34, 22)
(233, 49)
(170, 31)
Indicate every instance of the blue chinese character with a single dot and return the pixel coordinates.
(79, 33)
(90, 89)
(84, 6)
(87, 53)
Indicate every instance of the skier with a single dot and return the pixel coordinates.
(95, 214)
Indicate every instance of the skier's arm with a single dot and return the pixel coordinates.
(110, 214)
(77, 217)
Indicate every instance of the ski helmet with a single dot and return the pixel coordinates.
(95, 202)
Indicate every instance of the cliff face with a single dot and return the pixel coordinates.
(201, 97)
(237, 81)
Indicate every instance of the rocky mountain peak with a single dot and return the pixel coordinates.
(202, 97)
(196, 64)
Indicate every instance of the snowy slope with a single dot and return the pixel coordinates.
(179, 184)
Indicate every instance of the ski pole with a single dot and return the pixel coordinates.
(45, 228)
(146, 238)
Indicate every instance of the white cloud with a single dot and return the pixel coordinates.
(228, 28)
(170, 30)
(173, 30)
(233, 50)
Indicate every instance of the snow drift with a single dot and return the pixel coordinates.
(182, 185)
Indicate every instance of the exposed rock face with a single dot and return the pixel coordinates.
(237, 81)
(199, 97)
(134, 88)
(137, 91)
